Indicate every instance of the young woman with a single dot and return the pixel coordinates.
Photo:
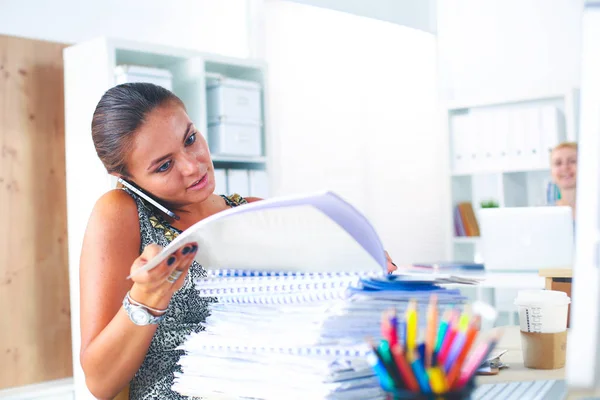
(130, 329)
(563, 167)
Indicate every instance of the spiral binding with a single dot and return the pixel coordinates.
(241, 273)
(267, 286)
(288, 298)
(315, 351)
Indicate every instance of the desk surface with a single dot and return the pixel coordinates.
(511, 341)
(502, 279)
(557, 272)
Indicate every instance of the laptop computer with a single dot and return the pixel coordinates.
(526, 238)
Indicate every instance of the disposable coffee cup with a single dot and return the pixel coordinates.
(543, 321)
(543, 311)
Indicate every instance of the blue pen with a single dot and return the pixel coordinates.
(377, 364)
(421, 351)
(402, 332)
(421, 375)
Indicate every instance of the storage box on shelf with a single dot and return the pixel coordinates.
(234, 117)
(136, 73)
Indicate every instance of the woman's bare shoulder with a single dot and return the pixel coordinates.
(116, 202)
(114, 213)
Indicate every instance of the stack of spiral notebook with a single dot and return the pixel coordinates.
(295, 327)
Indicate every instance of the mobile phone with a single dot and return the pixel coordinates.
(140, 193)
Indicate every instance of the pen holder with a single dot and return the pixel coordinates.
(462, 394)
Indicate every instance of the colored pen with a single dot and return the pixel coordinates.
(458, 342)
(385, 361)
(404, 369)
(432, 316)
(437, 380)
(480, 353)
(442, 330)
(393, 318)
(376, 363)
(471, 334)
(385, 352)
(411, 328)
(389, 327)
(402, 333)
(448, 339)
(420, 374)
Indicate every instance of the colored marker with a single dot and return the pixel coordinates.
(411, 328)
(404, 368)
(420, 374)
(471, 334)
(432, 317)
(437, 380)
(480, 353)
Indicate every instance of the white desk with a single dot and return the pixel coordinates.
(490, 280)
(504, 279)
(511, 341)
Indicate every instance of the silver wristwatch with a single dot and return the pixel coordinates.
(138, 314)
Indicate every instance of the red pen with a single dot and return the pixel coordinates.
(389, 327)
(404, 369)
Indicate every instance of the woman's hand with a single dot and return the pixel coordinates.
(391, 267)
(155, 287)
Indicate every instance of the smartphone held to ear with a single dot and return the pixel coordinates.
(143, 195)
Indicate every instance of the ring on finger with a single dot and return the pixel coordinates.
(174, 276)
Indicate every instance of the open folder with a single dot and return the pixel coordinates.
(308, 233)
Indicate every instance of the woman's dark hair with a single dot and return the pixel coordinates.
(118, 115)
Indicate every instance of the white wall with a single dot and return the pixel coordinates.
(353, 110)
(418, 14)
(491, 49)
(218, 26)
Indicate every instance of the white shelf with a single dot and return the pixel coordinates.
(501, 100)
(239, 160)
(466, 239)
(498, 171)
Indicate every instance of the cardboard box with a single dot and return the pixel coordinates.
(559, 279)
(544, 350)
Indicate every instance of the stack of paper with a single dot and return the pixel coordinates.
(298, 333)
(294, 335)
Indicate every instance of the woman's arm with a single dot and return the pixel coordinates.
(112, 346)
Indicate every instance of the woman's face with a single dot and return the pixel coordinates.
(170, 158)
(564, 167)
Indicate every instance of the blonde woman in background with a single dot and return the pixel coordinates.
(563, 168)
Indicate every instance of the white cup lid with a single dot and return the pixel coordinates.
(542, 298)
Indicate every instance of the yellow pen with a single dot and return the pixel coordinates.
(411, 329)
(437, 380)
(463, 322)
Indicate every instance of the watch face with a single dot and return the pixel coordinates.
(139, 316)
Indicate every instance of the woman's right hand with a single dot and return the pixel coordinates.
(155, 287)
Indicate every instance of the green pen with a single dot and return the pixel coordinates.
(388, 360)
(443, 328)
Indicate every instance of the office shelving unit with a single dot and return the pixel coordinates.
(499, 150)
(504, 157)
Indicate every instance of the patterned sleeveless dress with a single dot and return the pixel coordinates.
(186, 310)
